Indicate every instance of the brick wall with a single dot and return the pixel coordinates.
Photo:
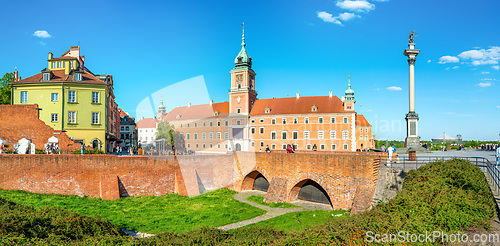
(21, 121)
(348, 178)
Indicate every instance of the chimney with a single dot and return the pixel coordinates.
(189, 105)
(211, 102)
(16, 75)
(330, 94)
(297, 95)
(51, 55)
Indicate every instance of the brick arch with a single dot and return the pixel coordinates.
(249, 179)
(301, 180)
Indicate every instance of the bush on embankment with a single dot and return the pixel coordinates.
(446, 196)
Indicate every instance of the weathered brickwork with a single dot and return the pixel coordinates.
(347, 178)
(22, 121)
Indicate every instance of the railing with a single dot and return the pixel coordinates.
(482, 163)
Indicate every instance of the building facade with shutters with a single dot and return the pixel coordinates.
(324, 123)
(73, 99)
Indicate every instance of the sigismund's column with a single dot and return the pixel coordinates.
(412, 140)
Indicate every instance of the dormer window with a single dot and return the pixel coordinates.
(314, 108)
(267, 110)
(78, 77)
(216, 113)
(178, 117)
(46, 74)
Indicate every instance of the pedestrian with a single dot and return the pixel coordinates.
(267, 149)
(1, 148)
(383, 149)
(315, 148)
(390, 150)
(497, 155)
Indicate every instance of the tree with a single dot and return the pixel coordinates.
(5, 92)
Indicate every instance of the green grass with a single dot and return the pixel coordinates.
(298, 221)
(150, 214)
(260, 200)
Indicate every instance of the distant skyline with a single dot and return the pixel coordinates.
(309, 48)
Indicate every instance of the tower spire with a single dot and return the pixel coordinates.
(243, 60)
(243, 36)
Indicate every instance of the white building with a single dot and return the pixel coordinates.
(146, 131)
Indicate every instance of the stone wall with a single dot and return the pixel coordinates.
(21, 121)
(348, 178)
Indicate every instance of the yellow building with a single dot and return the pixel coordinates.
(70, 98)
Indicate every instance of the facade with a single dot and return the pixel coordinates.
(128, 132)
(72, 99)
(324, 123)
(146, 131)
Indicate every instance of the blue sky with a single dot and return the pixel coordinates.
(309, 47)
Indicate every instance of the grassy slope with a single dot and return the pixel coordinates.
(151, 214)
(298, 221)
(260, 200)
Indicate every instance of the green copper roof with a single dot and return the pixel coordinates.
(243, 59)
(349, 93)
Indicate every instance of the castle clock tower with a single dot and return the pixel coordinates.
(242, 95)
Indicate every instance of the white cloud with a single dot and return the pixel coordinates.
(455, 67)
(42, 43)
(394, 88)
(381, 0)
(486, 72)
(487, 79)
(498, 106)
(471, 54)
(42, 34)
(327, 17)
(369, 110)
(429, 61)
(448, 59)
(448, 68)
(478, 57)
(488, 84)
(355, 5)
(496, 67)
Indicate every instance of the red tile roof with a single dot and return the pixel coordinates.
(194, 112)
(147, 123)
(59, 76)
(361, 121)
(122, 114)
(302, 105)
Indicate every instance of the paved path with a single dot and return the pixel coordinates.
(271, 212)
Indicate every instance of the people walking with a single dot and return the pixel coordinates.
(390, 150)
(315, 148)
(497, 155)
(267, 149)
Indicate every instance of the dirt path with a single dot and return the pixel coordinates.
(271, 212)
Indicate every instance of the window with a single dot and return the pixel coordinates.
(226, 123)
(211, 145)
(273, 135)
(95, 117)
(218, 135)
(203, 135)
(253, 144)
(122, 128)
(54, 97)
(308, 146)
(332, 120)
(188, 124)
(345, 146)
(238, 110)
(306, 134)
(360, 137)
(210, 135)
(218, 145)
(95, 97)
(295, 120)
(322, 147)
(188, 136)
(71, 63)
(71, 96)
(196, 145)
(72, 117)
(238, 122)
(334, 146)
(225, 146)
(295, 135)
(204, 123)
(283, 120)
(54, 117)
(345, 134)
(189, 145)
(58, 64)
(273, 121)
(261, 130)
(306, 120)
(252, 121)
(333, 134)
(273, 146)
(366, 137)
(366, 130)
(46, 76)
(78, 77)
(345, 119)
(252, 130)
(226, 135)
(283, 146)
(52, 65)
(24, 96)
(196, 124)
(261, 120)
(361, 130)
(321, 135)
(218, 123)
(181, 125)
(320, 120)
(195, 135)
(210, 123)
(283, 134)
(127, 128)
(203, 145)
(261, 143)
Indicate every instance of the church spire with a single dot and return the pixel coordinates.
(349, 93)
(243, 59)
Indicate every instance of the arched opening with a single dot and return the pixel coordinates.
(238, 147)
(255, 181)
(308, 190)
(96, 143)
